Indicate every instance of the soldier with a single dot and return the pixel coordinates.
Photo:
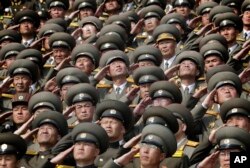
(8, 36)
(166, 37)
(146, 55)
(84, 97)
(234, 4)
(116, 118)
(110, 41)
(57, 9)
(44, 101)
(86, 57)
(184, 7)
(86, 7)
(51, 127)
(245, 8)
(151, 16)
(214, 54)
(164, 93)
(228, 139)
(20, 113)
(118, 65)
(29, 22)
(155, 146)
(8, 55)
(109, 8)
(13, 148)
(203, 11)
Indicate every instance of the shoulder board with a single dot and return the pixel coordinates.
(64, 166)
(178, 154)
(103, 85)
(7, 16)
(130, 79)
(73, 24)
(48, 66)
(192, 143)
(1, 17)
(141, 37)
(31, 152)
(245, 65)
(130, 49)
(210, 112)
(201, 78)
(7, 95)
(71, 126)
(240, 39)
(137, 155)
(97, 70)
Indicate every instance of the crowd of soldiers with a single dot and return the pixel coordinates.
(124, 83)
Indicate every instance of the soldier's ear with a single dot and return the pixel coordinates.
(163, 156)
(197, 72)
(97, 152)
(58, 137)
(216, 98)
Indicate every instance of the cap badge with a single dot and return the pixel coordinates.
(160, 92)
(226, 141)
(4, 147)
(20, 98)
(150, 137)
(81, 95)
(151, 119)
(83, 135)
(113, 111)
(234, 110)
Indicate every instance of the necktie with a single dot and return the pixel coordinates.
(117, 90)
(186, 91)
(166, 65)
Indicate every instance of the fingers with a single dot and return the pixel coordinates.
(29, 134)
(132, 142)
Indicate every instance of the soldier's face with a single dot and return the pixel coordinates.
(64, 90)
(151, 23)
(26, 28)
(144, 90)
(117, 68)
(57, 12)
(150, 155)
(84, 111)
(60, 54)
(85, 152)
(205, 19)
(113, 127)
(20, 114)
(111, 5)
(22, 83)
(183, 10)
(230, 33)
(188, 69)
(224, 93)
(46, 43)
(146, 63)
(9, 60)
(246, 18)
(85, 64)
(239, 121)
(85, 12)
(212, 61)
(224, 157)
(8, 161)
(88, 30)
(167, 48)
(162, 102)
(47, 135)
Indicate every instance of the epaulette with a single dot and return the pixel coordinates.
(246, 89)
(130, 80)
(64, 166)
(73, 24)
(178, 154)
(31, 152)
(10, 96)
(141, 37)
(240, 39)
(211, 112)
(99, 85)
(129, 49)
(7, 16)
(192, 143)
(48, 66)
(137, 155)
(245, 65)
(201, 78)
(104, 16)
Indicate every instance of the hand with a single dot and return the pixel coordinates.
(100, 10)
(209, 100)
(68, 111)
(205, 29)
(2, 63)
(171, 11)
(24, 127)
(62, 64)
(133, 141)
(200, 92)
(246, 43)
(171, 72)
(60, 157)
(210, 161)
(47, 55)
(133, 67)
(212, 137)
(245, 75)
(213, 30)
(193, 23)
(15, 27)
(50, 84)
(140, 108)
(3, 116)
(73, 14)
(132, 93)
(138, 27)
(102, 73)
(4, 87)
(29, 134)
(35, 43)
(242, 53)
(127, 157)
(76, 33)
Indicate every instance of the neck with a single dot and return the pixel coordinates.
(119, 81)
(246, 27)
(187, 81)
(82, 163)
(150, 166)
(45, 147)
(179, 137)
(27, 37)
(231, 44)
